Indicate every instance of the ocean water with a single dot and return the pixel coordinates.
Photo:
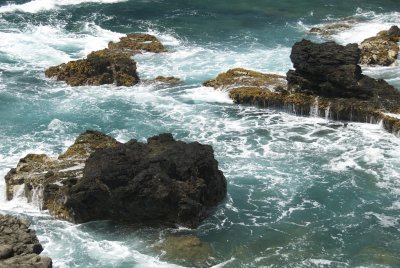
(302, 191)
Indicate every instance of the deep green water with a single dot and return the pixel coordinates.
(302, 191)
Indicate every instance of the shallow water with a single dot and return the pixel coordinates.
(302, 191)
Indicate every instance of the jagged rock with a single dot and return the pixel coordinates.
(137, 43)
(185, 250)
(19, 246)
(113, 65)
(334, 27)
(382, 49)
(240, 77)
(331, 70)
(164, 181)
(45, 178)
(100, 67)
(327, 82)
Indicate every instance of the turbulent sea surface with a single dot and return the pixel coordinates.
(302, 191)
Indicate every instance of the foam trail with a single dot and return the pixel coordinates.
(36, 6)
(50, 45)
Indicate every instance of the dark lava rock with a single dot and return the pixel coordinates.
(331, 70)
(327, 83)
(164, 181)
(19, 246)
(113, 65)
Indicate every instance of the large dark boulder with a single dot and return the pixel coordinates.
(19, 246)
(161, 181)
(331, 70)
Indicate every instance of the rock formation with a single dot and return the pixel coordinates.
(326, 82)
(382, 49)
(161, 181)
(112, 65)
(19, 246)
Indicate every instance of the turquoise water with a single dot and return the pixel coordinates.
(302, 191)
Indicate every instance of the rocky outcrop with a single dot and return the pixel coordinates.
(138, 43)
(240, 77)
(382, 49)
(19, 246)
(161, 181)
(331, 70)
(335, 27)
(113, 65)
(327, 82)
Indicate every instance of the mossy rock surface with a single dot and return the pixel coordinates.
(240, 77)
(112, 65)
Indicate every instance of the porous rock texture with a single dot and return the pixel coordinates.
(112, 65)
(163, 181)
(327, 82)
(19, 246)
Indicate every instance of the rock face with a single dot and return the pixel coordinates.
(382, 49)
(331, 70)
(19, 246)
(113, 65)
(164, 181)
(327, 82)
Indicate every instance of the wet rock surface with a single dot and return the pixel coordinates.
(112, 65)
(161, 181)
(240, 77)
(382, 49)
(327, 82)
(19, 246)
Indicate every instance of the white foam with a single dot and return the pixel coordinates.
(43, 46)
(36, 6)
(207, 94)
(384, 220)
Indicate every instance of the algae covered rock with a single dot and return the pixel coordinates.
(163, 180)
(382, 49)
(100, 67)
(137, 43)
(112, 65)
(239, 77)
(44, 179)
(327, 82)
(19, 246)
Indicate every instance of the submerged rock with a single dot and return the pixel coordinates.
(161, 181)
(382, 49)
(334, 27)
(327, 82)
(113, 65)
(185, 250)
(19, 246)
